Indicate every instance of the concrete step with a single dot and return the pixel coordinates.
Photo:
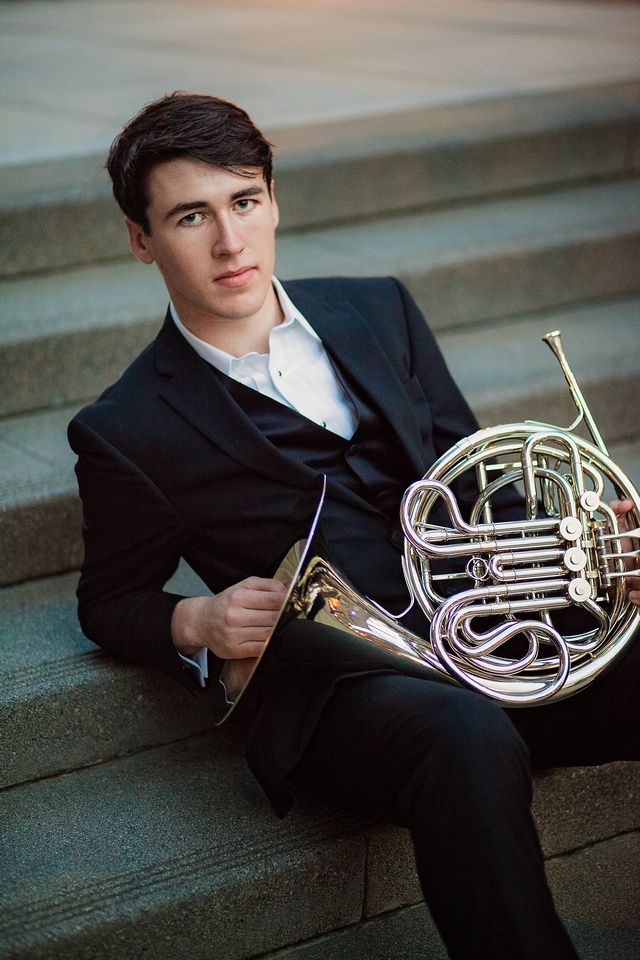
(490, 260)
(68, 334)
(72, 704)
(597, 891)
(505, 372)
(175, 852)
(59, 213)
(508, 372)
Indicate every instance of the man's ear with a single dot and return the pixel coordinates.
(139, 242)
(274, 205)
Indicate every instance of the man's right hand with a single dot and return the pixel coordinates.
(234, 624)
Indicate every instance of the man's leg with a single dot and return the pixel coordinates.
(597, 725)
(448, 764)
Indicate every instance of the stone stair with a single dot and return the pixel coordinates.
(131, 827)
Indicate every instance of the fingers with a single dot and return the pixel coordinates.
(621, 507)
(240, 643)
(633, 590)
(248, 649)
(257, 594)
(263, 584)
(249, 613)
(239, 618)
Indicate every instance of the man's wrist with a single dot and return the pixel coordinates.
(185, 626)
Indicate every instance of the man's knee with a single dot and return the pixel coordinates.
(467, 745)
(478, 727)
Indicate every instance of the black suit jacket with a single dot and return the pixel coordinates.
(169, 466)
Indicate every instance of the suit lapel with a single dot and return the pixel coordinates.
(197, 394)
(354, 348)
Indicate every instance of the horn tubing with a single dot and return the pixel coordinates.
(553, 339)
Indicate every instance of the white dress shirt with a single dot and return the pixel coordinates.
(296, 372)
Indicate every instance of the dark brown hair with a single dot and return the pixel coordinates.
(182, 124)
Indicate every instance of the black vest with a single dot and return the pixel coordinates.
(366, 477)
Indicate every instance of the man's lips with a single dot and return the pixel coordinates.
(236, 278)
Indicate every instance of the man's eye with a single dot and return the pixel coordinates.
(245, 204)
(192, 219)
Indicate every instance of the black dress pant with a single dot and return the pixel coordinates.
(454, 768)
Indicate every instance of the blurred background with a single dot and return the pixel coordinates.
(484, 151)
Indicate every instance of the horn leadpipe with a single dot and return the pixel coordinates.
(554, 340)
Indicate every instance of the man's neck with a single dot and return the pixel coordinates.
(238, 336)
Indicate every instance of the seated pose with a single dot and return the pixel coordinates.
(213, 446)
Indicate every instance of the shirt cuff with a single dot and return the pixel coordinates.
(198, 661)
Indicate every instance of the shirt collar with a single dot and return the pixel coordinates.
(291, 312)
(224, 361)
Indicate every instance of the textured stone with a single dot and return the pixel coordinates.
(69, 335)
(175, 849)
(392, 880)
(172, 851)
(508, 373)
(72, 704)
(363, 59)
(581, 805)
(408, 934)
(41, 538)
(597, 891)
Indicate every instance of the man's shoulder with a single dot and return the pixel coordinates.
(125, 399)
(344, 288)
(381, 301)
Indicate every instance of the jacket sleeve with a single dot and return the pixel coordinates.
(133, 540)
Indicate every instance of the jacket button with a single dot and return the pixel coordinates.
(397, 538)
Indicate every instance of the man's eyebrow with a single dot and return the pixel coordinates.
(199, 204)
(247, 192)
(184, 207)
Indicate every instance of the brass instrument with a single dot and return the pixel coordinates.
(521, 572)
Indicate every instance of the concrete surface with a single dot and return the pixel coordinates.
(288, 63)
(176, 849)
(597, 891)
(73, 705)
(173, 850)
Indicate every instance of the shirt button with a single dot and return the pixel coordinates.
(323, 423)
(279, 373)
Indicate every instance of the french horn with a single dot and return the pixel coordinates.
(506, 583)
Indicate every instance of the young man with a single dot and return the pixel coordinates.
(212, 447)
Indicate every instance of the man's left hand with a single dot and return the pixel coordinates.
(622, 508)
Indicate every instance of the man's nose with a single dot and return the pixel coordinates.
(228, 241)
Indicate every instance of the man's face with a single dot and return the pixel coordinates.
(212, 235)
